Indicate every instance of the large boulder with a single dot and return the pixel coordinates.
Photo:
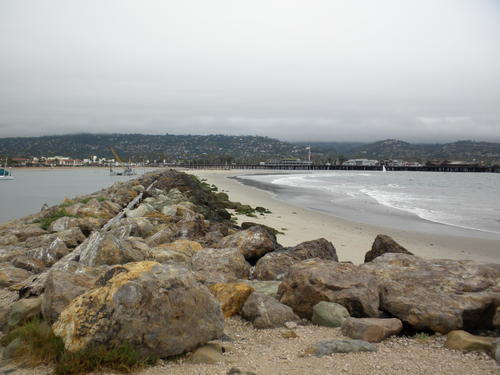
(50, 254)
(72, 237)
(384, 244)
(107, 249)
(266, 312)
(439, 294)
(253, 242)
(164, 235)
(315, 280)
(161, 310)
(231, 296)
(275, 265)
(220, 265)
(371, 329)
(65, 284)
(10, 275)
(63, 223)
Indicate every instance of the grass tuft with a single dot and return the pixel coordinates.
(39, 346)
(46, 221)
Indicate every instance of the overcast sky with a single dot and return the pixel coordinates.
(332, 70)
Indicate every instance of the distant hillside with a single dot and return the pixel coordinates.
(152, 147)
(251, 149)
(395, 149)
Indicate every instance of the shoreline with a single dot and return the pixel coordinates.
(351, 239)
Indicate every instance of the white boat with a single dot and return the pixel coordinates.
(383, 168)
(5, 173)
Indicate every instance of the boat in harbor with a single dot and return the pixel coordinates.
(5, 173)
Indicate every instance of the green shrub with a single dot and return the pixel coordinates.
(122, 358)
(46, 221)
(39, 344)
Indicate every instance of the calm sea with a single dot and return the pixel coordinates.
(30, 189)
(456, 203)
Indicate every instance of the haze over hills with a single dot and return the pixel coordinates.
(217, 148)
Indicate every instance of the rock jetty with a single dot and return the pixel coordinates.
(159, 264)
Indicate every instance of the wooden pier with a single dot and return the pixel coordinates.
(326, 167)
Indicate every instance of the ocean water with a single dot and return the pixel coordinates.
(458, 203)
(30, 189)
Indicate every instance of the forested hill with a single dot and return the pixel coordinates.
(159, 147)
(224, 148)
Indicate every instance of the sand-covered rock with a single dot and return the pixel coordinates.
(328, 347)
(462, 340)
(266, 312)
(439, 294)
(159, 309)
(220, 265)
(312, 281)
(275, 265)
(384, 244)
(253, 242)
(371, 329)
(231, 296)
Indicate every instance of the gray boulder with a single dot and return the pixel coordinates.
(23, 310)
(220, 265)
(266, 312)
(384, 244)
(329, 314)
(253, 242)
(314, 280)
(439, 294)
(10, 275)
(160, 310)
(275, 265)
(65, 284)
(371, 329)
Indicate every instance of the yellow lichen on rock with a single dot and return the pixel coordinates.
(185, 246)
(72, 325)
(231, 296)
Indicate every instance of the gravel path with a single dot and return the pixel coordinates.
(267, 352)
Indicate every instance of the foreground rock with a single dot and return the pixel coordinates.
(371, 329)
(464, 341)
(266, 312)
(312, 281)
(384, 244)
(159, 309)
(65, 284)
(439, 295)
(323, 348)
(275, 265)
(329, 314)
(253, 242)
(24, 310)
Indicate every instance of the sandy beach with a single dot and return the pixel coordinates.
(352, 240)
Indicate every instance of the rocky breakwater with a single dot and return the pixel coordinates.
(164, 272)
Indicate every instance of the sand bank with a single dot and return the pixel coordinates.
(352, 240)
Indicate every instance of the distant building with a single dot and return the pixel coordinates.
(361, 163)
(286, 162)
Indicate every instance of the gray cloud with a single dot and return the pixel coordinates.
(324, 70)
